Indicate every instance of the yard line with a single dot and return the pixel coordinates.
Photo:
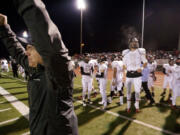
(2, 102)
(133, 120)
(20, 106)
(3, 110)
(8, 121)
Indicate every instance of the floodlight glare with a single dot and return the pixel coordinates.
(81, 4)
(25, 34)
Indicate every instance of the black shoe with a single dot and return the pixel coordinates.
(153, 94)
(94, 94)
(169, 97)
(84, 103)
(152, 102)
(89, 101)
(174, 107)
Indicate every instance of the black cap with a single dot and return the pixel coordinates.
(24, 41)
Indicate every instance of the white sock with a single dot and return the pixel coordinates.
(136, 104)
(128, 104)
(121, 99)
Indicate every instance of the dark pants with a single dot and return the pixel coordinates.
(147, 91)
(15, 73)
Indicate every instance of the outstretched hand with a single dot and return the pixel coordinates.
(3, 20)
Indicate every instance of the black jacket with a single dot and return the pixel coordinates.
(49, 86)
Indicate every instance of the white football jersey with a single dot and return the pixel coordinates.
(87, 67)
(152, 66)
(176, 75)
(80, 63)
(169, 68)
(119, 66)
(106, 62)
(132, 59)
(103, 67)
(93, 62)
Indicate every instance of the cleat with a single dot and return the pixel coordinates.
(174, 107)
(138, 111)
(152, 102)
(128, 110)
(169, 100)
(94, 94)
(80, 98)
(89, 101)
(84, 103)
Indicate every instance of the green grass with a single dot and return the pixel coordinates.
(95, 122)
(17, 127)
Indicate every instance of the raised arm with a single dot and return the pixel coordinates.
(46, 36)
(9, 39)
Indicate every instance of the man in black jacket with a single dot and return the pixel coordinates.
(49, 67)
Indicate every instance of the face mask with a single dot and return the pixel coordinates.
(86, 60)
(134, 45)
(171, 62)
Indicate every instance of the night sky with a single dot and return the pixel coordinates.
(105, 21)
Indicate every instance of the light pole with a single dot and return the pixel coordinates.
(81, 5)
(142, 38)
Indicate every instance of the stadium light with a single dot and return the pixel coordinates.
(25, 34)
(81, 5)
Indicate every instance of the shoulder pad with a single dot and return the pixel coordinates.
(114, 64)
(125, 52)
(120, 63)
(165, 65)
(142, 51)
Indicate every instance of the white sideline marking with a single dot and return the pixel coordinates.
(21, 107)
(11, 120)
(133, 120)
(27, 133)
(3, 110)
(2, 102)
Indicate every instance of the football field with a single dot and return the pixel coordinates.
(158, 119)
